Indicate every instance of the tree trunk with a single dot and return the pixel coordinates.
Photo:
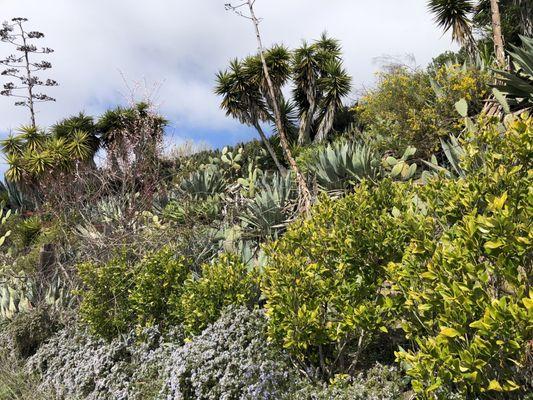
(304, 133)
(497, 35)
(281, 168)
(305, 194)
(326, 125)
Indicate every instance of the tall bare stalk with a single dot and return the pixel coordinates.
(305, 194)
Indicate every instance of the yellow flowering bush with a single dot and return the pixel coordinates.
(417, 108)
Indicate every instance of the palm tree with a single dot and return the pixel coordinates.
(305, 73)
(242, 100)
(334, 85)
(318, 72)
(456, 15)
(81, 122)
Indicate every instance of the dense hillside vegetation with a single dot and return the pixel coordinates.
(202, 274)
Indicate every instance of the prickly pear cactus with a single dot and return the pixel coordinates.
(401, 168)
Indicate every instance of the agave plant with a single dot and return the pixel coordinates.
(338, 165)
(269, 211)
(517, 86)
(203, 183)
(20, 294)
(4, 216)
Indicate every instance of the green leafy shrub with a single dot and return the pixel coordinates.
(158, 282)
(325, 281)
(466, 303)
(414, 108)
(223, 282)
(122, 293)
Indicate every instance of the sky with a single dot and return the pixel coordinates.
(108, 52)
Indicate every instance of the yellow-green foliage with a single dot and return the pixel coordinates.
(414, 108)
(225, 281)
(466, 302)
(324, 283)
(162, 290)
(122, 294)
(449, 262)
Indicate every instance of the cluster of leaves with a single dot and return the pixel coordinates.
(120, 294)
(36, 156)
(224, 282)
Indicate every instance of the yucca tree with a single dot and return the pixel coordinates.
(242, 99)
(334, 85)
(33, 155)
(320, 82)
(68, 128)
(278, 61)
(131, 135)
(456, 15)
(306, 73)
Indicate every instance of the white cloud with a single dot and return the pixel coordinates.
(182, 44)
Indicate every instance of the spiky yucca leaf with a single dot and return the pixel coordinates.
(517, 86)
(454, 15)
(13, 145)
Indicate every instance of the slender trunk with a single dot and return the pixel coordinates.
(304, 134)
(326, 124)
(497, 32)
(281, 168)
(29, 77)
(304, 190)
(526, 16)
